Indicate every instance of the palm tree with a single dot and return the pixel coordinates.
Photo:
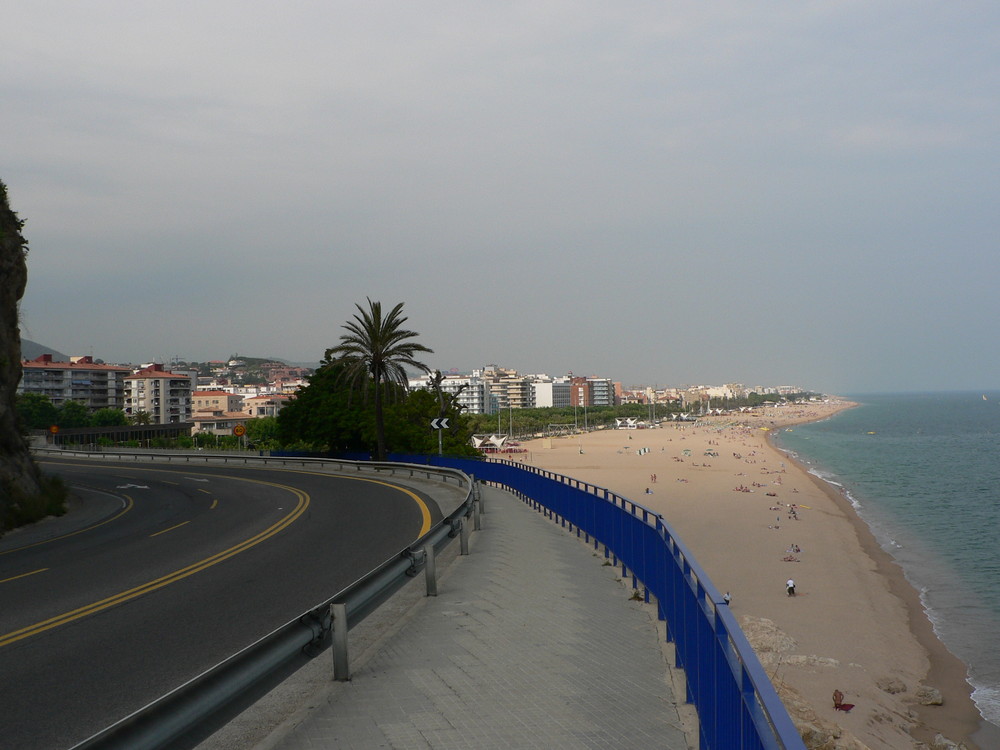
(373, 352)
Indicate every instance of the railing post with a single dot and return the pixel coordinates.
(430, 571)
(463, 531)
(477, 513)
(338, 628)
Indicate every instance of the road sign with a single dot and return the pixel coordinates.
(240, 430)
(439, 424)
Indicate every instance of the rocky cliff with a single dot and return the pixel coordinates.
(19, 477)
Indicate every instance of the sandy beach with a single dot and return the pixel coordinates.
(753, 518)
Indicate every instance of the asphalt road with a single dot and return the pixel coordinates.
(160, 572)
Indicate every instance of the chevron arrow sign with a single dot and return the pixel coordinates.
(439, 424)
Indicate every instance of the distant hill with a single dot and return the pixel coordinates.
(32, 350)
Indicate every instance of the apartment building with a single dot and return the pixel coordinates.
(96, 386)
(265, 405)
(602, 391)
(165, 396)
(216, 400)
(474, 394)
(554, 392)
(510, 389)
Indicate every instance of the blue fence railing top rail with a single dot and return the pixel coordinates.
(737, 704)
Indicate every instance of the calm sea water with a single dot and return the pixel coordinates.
(923, 470)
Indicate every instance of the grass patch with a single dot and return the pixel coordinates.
(22, 508)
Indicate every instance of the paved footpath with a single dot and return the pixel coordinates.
(530, 643)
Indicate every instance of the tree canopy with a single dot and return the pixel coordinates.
(373, 354)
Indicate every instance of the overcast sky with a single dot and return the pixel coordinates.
(801, 193)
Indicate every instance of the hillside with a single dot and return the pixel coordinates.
(32, 350)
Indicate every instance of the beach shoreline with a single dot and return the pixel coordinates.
(857, 625)
(945, 671)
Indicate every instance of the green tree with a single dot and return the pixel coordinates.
(109, 418)
(409, 423)
(73, 414)
(373, 353)
(322, 415)
(262, 433)
(35, 411)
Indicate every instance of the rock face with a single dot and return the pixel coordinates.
(18, 473)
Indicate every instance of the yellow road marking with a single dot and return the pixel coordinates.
(425, 512)
(184, 523)
(197, 567)
(158, 583)
(23, 575)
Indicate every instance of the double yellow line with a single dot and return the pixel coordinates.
(177, 575)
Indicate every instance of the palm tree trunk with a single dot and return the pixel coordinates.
(380, 451)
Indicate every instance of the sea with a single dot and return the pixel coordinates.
(923, 471)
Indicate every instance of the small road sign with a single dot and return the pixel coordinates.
(439, 424)
(239, 430)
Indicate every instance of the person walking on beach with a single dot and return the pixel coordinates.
(790, 587)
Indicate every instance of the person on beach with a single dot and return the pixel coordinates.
(790, 587)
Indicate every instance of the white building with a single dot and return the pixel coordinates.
(474, 394)
(555, 392)
(165, 396)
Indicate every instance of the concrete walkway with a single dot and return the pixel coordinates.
(530, 643)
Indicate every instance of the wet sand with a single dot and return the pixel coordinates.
(754, 518)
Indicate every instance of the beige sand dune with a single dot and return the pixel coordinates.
(753, 519)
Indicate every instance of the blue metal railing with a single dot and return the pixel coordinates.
(738, 708)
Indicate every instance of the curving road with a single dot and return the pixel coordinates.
(161, 572)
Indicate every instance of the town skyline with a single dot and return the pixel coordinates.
(38, 349)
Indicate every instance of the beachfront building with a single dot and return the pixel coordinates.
(164, 396)
(592, 391)
(96, 386)
(602, 391)
(493, 389)
(510, 389)
(579, 392)
(552, 392)
(473, 393)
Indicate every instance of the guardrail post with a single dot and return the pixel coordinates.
(477, 520)
(338, 628)
(463, 529)
(477, 494)
(430, 572)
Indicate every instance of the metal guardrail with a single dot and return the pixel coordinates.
(246, 459)
(186, 707)
(738, 707)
